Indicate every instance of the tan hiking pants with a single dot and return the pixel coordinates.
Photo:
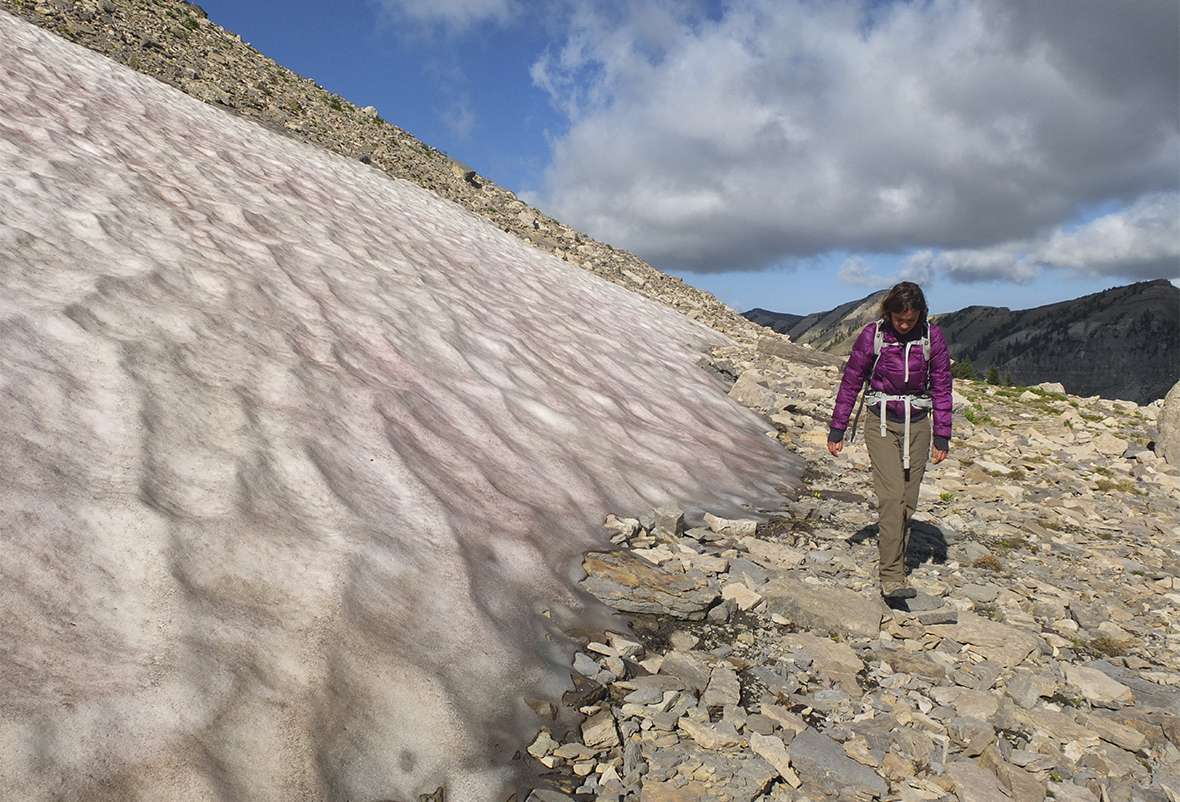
(897, 497)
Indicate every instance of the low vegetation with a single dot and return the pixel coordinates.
(1117, 485)
(988, 562)
(1007, 544)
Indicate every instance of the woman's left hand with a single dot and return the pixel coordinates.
(937, 456)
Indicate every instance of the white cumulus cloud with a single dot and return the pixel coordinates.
(1141, 241)
(780, 129)
(856, 272)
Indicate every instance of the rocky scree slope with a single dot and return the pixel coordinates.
(1040, 659)
(176, 43)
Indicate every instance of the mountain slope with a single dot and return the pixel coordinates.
(782, 322)
(1120, 343)
(833, 331)
(297, 457)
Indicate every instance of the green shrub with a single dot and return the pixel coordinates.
(963, 369)
(976, 415)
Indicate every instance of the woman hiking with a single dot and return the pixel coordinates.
(905, 361)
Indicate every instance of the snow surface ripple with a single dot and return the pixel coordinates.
(294, 455)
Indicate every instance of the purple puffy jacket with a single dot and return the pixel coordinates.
(889, 377)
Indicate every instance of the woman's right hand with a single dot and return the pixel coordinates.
(835, 448)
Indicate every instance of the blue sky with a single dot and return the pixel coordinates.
(792, 155)
(426, 80)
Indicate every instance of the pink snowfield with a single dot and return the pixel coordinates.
(298, 460)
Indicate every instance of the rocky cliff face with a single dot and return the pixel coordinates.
(1120, 343)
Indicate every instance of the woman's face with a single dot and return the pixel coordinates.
(904, 321)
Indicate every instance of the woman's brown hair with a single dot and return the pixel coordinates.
(903, 296)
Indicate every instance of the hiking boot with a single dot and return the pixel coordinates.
(897, 590)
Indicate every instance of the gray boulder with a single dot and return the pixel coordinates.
(749, 392)
(1168, 445)
(822, 761)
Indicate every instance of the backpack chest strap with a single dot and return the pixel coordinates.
(910, 402)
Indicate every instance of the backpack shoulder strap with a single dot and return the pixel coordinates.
(926, 355)
(878, 341)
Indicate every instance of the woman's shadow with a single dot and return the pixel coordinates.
(928, 543)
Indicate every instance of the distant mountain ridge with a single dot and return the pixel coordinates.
(836, 329)
(782, 322)
(1123, 342)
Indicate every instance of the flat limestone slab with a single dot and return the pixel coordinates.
(1148, 695)
(735, 775)
(631, 584)
(829, 655)
(1097, 688)
(974, 783)
(1003, 644)
(828, 609)
(820, 760)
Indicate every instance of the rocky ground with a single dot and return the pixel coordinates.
(1040, 658)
